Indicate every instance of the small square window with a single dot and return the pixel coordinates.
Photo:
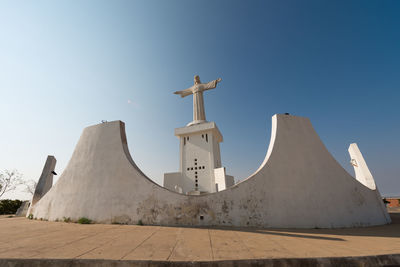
(188, 168)
(195, 168)
(195, 163)
(195, 172)
(191, 168)
(196, 176)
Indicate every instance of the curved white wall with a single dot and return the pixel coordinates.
(299, 185)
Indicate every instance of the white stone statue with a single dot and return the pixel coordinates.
(197, 89)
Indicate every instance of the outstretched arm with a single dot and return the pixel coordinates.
(212, 84)
(185, 92)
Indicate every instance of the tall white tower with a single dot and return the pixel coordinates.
(200, 158)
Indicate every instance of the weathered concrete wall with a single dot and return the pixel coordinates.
(299, 185)
(46, 179)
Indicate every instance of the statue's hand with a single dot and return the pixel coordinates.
(219, 80)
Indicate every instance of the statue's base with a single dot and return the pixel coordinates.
(199, 127)
(196, 122)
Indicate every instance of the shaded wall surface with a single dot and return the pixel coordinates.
(23, 209)
(299, 185)
(45, 181)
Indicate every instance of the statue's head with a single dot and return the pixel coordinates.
(197, 79)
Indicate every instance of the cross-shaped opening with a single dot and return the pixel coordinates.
(196, 168)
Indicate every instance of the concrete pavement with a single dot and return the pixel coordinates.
(34, 239)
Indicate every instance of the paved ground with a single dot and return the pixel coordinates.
(30, 239)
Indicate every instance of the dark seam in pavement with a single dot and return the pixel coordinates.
(140, 244)
(209, 237)
(69, 243)
(35, 236)
(38, 235)
(241, 241)
(14, 218)
(332, 247)
(177, 241)
(105, 243)
(42, 227)
(279, 245)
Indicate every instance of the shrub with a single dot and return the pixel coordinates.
(67, 220)
(140, 222)
(84, 220)
(30, 217)
(8, 206)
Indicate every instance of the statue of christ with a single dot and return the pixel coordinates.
(197, 90)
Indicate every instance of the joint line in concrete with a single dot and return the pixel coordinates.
(212, 252)
(140, 243)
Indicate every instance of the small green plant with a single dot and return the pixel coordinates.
(30, 217)
(10, 216)
(84, 220)
(67, 220)
(140, 222)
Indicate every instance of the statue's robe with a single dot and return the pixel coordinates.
(197, 90)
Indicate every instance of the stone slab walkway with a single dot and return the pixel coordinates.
(33, 239)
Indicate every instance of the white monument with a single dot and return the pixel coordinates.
(201, 169)
(103, 183)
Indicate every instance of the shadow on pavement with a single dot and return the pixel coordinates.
(388, 230)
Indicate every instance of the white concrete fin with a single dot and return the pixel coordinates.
(23, 209)
(362, 173)
(45, 181)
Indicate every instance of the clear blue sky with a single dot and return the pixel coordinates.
(65, 65)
